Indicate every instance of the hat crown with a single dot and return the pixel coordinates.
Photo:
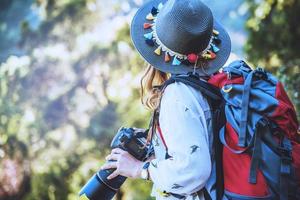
(185, 26)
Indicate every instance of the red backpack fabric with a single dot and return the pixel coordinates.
(261, 148)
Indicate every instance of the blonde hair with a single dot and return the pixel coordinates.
(150, 95)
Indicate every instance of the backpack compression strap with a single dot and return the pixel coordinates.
(248, 76)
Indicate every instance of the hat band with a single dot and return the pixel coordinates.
(209, 53)
(174, 53)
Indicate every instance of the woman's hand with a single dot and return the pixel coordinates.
(125, 164)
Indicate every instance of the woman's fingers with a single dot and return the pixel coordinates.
(114, 174)
(110, 165)
(115, 154)
(123, 163)
(113, 157)
(117, 151)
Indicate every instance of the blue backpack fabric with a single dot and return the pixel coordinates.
(256, 134)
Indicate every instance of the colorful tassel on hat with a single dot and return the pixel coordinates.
(150, 17)
(147, 25)
(212, 54)
(207, 56)
(216, 32)
(149, 36)
(176, 61)
(192, 58)
(214, 48)
(158, 51)
(154, 11)
(167, 57)
(150, 42)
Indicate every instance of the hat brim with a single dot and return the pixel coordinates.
(147, 52)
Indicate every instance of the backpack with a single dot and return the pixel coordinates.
(256, 136)
(261, 153)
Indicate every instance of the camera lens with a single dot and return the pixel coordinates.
(100, 188)
(95, 189)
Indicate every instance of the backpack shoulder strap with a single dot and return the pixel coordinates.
(205, 88)
(216, 102)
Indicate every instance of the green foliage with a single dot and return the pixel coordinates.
(137, 189)
(273, 41)
(78, 81)
(64, 100)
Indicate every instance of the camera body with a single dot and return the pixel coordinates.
(131, 140)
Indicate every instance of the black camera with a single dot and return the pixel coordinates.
(134, 142)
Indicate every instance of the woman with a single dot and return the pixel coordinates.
(176, 37)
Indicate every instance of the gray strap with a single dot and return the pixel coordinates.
(257, 152)
(285, 168)
(244, 111)
(224, 142)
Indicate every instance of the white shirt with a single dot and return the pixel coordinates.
(184, 121)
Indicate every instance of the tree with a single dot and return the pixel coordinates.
(15, 171)
(273, 42)
(62, 102)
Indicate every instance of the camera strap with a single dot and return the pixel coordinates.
(167, 156)
(154, 123)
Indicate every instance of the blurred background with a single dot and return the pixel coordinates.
(69, 78)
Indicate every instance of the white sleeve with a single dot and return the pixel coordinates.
(184, 129)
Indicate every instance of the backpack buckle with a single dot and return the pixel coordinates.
(225, 89)
(261, 73)
(229, 76)
(286, 155)
(263, 122)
